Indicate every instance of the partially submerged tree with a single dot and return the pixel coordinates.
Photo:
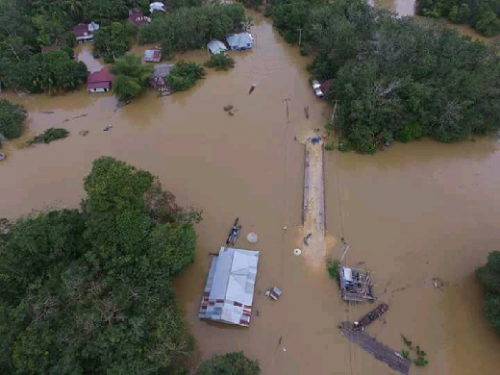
(113, 41)
(229, 364)
(489, 275)
(131, 77)
(220, 62)
(89, 292)
(184, 74)
(12, 117)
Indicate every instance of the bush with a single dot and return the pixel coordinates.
(113, 41)
(12, 117)
(50, 135)
(131, 77)
(229, 364)
(333, 269)
(489, 276)
(220, 62)
(183, 75)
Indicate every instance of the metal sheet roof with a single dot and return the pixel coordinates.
(216, 46)
(240, 41)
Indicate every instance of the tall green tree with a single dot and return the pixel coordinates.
(489, 275)
(229, 364)
(89, 291)
(132, 77)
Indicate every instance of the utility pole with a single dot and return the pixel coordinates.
(300, 36)
(333, 113)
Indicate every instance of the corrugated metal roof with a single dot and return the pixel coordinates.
(228, 295)
(240, 41)
(216, 46)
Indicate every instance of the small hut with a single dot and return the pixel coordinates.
(152, 55)
(355, 285)
(158, 78)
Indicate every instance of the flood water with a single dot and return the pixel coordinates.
(413, 213)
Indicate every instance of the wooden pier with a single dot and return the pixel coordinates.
(380, 351)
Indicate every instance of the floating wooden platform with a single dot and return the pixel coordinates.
(380, 351)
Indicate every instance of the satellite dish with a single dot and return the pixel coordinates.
(252, 237)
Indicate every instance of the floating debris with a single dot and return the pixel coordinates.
(306, 111)
(297, 252)
(251, 89)
(274, 293)
(306, 238)
(234, 233)
(83, 133)
(107, 127)
(48, 112)
(252, 237)
(438, 283)
(228, 107)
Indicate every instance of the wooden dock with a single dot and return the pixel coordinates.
(380, 351)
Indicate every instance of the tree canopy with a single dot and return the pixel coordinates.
(482, 15)
(12, 117)
(229, 364)
(114, 41)
(184, 74)
(396, 78)
(89, 291)
(489, 275)
(131, 77)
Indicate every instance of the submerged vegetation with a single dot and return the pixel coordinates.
(483, 16)
(183, 75)
(489, 276)
(50, 135)
(12, 117)
(231, 364)
(220, 62)
(333, 269)
(396, 79)
(421, 356)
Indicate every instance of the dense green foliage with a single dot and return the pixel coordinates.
(489, 275)
(183, 75)
(89, 292)
(193, 28)
(131, 77)
(27, 26)
(482, 15)
(333, 269)
(396, 79)
(113, 41)
(50, 135)
(220, 62)
(252, 4)
(229, 364)
(53, 72)
(12, 117)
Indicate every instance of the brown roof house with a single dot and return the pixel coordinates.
(138, 18)
(84, 32)
(100, 81)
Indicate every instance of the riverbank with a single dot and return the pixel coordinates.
(411, 213)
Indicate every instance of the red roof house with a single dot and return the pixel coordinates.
(85, 31)
(138, 18)
(100, 81)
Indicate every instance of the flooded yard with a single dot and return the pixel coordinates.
(411, 214)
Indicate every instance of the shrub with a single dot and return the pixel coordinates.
(231, 364)
(333, 269)
(50, 135)
(220, 62)
(12, 117)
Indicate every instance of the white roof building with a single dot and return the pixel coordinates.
(156, 6)
(216, 46)
(241, 41)
(228, 295)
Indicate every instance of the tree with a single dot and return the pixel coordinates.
(113, 41)
(183, 75)
(229, 364)
(89, 291)
(132, 77)
(53, 72)
(220, 62)
(12, 117)
(489, 276)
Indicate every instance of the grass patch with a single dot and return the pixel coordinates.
(220, 62)
(49, 135)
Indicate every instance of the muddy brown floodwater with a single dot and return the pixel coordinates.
(411, 214)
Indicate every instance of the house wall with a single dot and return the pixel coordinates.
(98, 90)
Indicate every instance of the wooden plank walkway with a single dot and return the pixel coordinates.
(377, 349)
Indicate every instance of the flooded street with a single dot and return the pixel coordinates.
(411, 214)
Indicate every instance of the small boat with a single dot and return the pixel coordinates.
(234, 233)
(373, 315)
